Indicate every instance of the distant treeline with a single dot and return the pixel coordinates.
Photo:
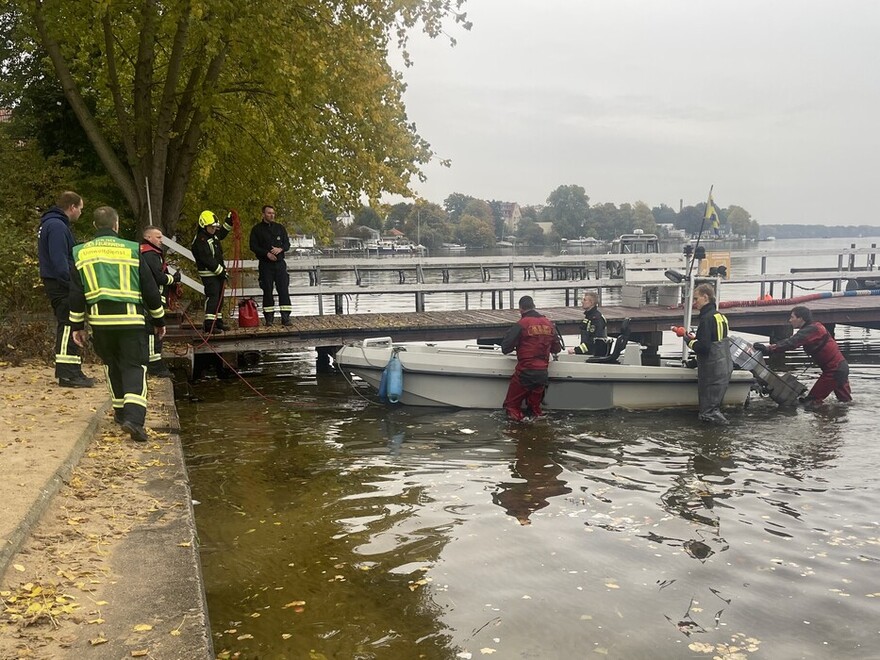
(818, 231)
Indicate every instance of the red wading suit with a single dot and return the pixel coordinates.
(820, 345)
(534, 338)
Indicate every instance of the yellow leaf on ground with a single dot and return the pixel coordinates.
(143, 627)
(18, 567)
(139, 654)
(175, 633)
(97, 640)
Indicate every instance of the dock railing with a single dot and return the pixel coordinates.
(420, 276)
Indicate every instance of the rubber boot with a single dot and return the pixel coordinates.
(270, 318)
(285, 318)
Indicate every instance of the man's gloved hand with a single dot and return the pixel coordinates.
(176, 277)
(682, 332)
(232, 218)
(761, 348)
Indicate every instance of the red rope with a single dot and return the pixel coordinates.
(235, 267)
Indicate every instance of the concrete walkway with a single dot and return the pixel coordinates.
(105, 521)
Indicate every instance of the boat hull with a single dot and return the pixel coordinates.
(478, 378)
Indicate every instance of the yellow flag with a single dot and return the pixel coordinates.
(711, 213)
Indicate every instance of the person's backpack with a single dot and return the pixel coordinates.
(248, 316)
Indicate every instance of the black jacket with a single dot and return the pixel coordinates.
(268, 235)
(712, 327)
(208, 252)
(594, 327)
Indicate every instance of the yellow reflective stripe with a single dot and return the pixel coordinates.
(721, 327)
(157, 313)
(91, 278)
(77, 317)
(117, 293)
(135, 399)
(63, 358)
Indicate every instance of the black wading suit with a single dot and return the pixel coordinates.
(714, 364)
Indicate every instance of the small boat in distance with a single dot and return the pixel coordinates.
(452, 247)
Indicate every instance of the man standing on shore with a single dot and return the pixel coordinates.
(269, 241)
(154, 258)
(113, 287)
(55, 254)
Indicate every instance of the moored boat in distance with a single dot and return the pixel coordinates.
(452, 247)
(478, 377)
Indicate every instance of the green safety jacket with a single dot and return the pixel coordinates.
(111, 285)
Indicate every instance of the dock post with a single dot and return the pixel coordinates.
(872, 258)
(852, 258)
(320, 305)
(337, 303)
(466, 301)
(763, 272)
(420, 301)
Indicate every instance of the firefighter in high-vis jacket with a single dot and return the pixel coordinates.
(154, 258)
(208, 253)
(112, 287)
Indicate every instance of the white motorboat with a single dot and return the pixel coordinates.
(478, 377)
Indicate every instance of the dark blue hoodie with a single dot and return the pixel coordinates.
(55, 245)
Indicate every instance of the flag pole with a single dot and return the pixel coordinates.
(691, 276)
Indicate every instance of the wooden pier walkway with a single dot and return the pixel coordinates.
(324, 331)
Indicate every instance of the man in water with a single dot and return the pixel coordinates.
(819, 345)
(714, 364)
(533, 338)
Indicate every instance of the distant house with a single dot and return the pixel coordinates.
(5, 115)
(512, 216)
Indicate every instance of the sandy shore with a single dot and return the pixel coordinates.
(98, 539)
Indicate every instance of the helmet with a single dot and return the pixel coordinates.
(207, 218)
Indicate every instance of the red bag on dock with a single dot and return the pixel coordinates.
(248, 317)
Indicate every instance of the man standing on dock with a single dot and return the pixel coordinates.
(208, 254)
(819, 345)
(269, 241)
(533, 338)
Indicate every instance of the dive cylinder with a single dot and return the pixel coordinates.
(394, 381)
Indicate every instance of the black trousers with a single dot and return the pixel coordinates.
(124, 353)
(68, 359)
(213, 299)
(273, 274)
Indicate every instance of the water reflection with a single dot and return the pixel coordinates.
(535, 471)
(365, 531)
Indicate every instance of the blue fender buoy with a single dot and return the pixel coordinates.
(383, 385)
(394, 382)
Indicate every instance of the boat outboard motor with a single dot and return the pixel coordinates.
(784, 389)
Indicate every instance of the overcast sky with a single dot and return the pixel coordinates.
(775, 102)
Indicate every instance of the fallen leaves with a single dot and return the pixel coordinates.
(34, 602)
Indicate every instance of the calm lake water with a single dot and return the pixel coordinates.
(335, 527)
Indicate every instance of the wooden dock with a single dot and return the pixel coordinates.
(328, 331)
